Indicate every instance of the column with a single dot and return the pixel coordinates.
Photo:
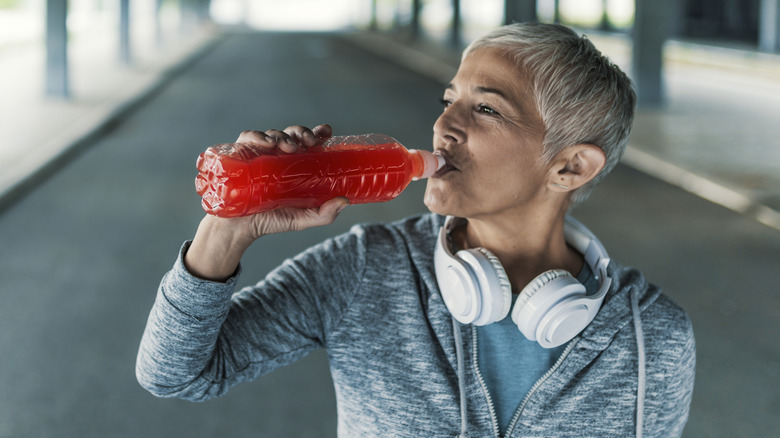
(158, 30)
(416, 6)
(124, 32)
(769, 26)
(651, 22)
(57, 83)
(519, 11)
(455, 38)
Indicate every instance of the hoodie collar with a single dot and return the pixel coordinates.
(615, 313)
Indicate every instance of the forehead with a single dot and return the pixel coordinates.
(492, 68)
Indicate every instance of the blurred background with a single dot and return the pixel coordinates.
(105, 104)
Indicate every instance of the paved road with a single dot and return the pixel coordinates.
(83, 253)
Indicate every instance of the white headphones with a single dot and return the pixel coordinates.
(552, 309)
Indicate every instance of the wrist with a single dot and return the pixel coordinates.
(216, 249)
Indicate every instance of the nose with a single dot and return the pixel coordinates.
(449, 126)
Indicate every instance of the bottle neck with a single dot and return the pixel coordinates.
(424, 163)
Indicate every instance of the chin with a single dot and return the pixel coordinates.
(446, 201)
(435, 199)
(441, 206)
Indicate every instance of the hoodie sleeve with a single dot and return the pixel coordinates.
(200, 339)
(671, 370)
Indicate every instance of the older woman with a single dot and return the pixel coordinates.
(495, 315)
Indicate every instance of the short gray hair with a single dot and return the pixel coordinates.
(581, 96)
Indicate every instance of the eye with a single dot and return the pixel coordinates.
(484, 109)
(445, 102)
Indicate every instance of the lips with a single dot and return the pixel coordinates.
(448, 165)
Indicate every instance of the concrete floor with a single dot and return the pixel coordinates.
(82, 254)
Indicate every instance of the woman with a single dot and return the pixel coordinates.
(417, 344)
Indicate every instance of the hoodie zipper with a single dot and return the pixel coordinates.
(491, 407)
(556, 365)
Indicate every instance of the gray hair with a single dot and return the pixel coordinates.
(581, 96)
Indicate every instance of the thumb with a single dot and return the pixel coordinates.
(329, 211)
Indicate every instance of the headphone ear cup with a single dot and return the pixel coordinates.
(532, 310)
(494, 288)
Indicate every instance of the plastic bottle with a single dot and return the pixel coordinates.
(241, 179)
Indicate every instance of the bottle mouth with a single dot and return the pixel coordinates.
(431, 164)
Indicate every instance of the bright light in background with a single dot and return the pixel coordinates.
(589, 13)
(620, 13)
(480, 17)
(385, 13)
(545, 10)
(405, 11)
(300, 15)
(22, 21)
(586, 13)
(436, 16)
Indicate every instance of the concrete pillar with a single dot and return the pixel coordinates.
(373, 25)
(455, 29)
(57, 81)
(604, 25)
(519, 11)
(416, 6)
(125, 54)
(769, 26)
(158, 30)
(652, 18)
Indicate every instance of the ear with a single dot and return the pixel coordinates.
(574, 166)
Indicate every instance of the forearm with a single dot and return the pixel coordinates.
(179, 343)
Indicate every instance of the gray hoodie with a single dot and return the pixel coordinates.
(370, 298)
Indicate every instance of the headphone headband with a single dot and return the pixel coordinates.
(586, 243)
(574, 232)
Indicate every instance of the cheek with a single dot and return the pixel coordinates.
(513, 174)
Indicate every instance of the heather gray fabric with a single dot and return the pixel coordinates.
(370, 298)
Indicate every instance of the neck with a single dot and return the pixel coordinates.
(526, 246)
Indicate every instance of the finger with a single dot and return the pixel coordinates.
(301, 135)
(282, 140)
(322, 132)
(255, 137)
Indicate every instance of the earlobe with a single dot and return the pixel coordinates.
(575, 166)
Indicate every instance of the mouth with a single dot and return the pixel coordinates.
(448, 166)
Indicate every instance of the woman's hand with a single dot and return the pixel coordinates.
(220, 243)
(289, 139)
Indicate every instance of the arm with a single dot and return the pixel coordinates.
(187, 349)
(675, 369)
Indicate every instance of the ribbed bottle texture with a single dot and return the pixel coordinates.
(242, 179)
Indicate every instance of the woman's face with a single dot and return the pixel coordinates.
(491, 137)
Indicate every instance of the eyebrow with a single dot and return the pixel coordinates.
(485, 90)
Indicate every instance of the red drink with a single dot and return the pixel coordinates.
(241, 179)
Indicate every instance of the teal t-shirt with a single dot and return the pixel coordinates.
(510, 364)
